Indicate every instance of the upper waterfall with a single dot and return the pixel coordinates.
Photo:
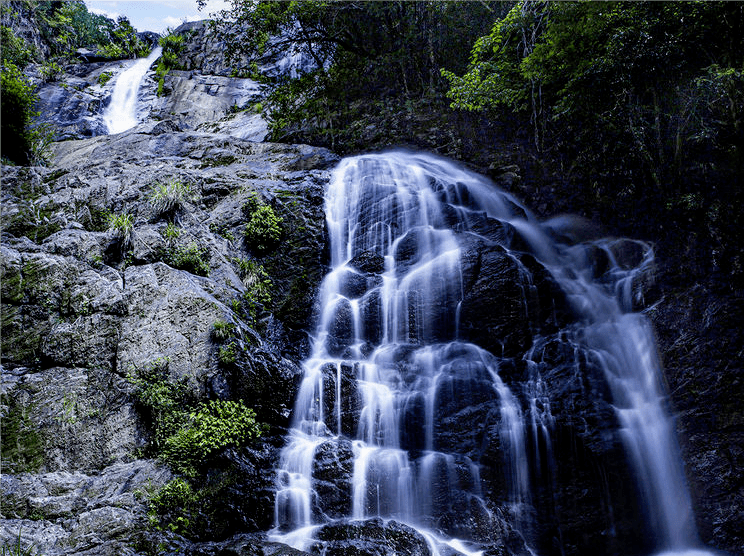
(406, 354)
(121, 114)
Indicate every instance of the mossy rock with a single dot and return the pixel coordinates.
(22, 445)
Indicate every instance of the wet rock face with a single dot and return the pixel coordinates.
(370, 537)
(75, 103)
(82, 309)
(707, 395)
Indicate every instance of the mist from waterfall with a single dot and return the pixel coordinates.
(122, 112)
(389, 356)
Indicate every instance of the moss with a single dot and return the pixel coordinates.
(22, 448)
(52, 176)
(11, 285)
(33, 221)
(21, 335)
(223, 160)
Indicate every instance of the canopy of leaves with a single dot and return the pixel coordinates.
(362, 51)
(18, 99)
(643, 101)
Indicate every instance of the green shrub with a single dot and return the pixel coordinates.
(172, 47)
(51, 71)
(15, 51)
(104, 78)
(222, 331)
(161, 401)
(22, 143)
(173, 501)
(227, 355)
(124, 42)
(122, 226)
(212, 426)
(263, 230)
(168, 196)
(191, 258)
(171, 232)
(176, 493)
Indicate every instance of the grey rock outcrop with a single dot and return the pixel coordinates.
(74, 104)
(80, 314)
(20, 19)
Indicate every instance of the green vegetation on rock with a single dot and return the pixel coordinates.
(168, 196)
(15, 51)
(191, 258)
(23, 141)
(122, 226)
(263, 230)
(172, 45)
(22, 446)
(185, 434)
(210, 427)
(104, 78)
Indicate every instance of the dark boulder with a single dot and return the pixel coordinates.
(369, 537)
(332, 477)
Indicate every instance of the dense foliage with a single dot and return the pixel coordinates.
(633, 109)
(172, 45)
(361, 51)
(185, 434)
(639, 104)
(18, 99)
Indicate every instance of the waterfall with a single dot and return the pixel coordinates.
(121, 113)
(395, 366)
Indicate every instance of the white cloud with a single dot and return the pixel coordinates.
(156, 15)
(105, 13)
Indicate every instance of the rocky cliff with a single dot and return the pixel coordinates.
(79, 315)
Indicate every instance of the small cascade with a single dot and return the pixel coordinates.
(397, 395)
(121, 114)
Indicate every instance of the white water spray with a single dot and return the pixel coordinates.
(121, 114)
(387, 355)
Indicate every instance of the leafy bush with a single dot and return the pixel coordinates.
(161, 400)
(124, 42)
(190, 258)
(104, 78)
(175, 501)
(222, 330)
(172, 47)
(21, 142)
(122, 226)
(51, 71)
(212, 426)
(15, 50)
(263, 230)
(171, 232)
(69, 25)
(176, 493)
(168, 196)
(227, 354)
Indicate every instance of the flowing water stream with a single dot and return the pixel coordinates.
(391, 369)
(122, 112)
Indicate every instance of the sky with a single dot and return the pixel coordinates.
(155, 15)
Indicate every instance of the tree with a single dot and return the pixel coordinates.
(640, 104)
(364, 52)
(18, 101)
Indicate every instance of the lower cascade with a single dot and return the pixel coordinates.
(450, 326)
(121, 113)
